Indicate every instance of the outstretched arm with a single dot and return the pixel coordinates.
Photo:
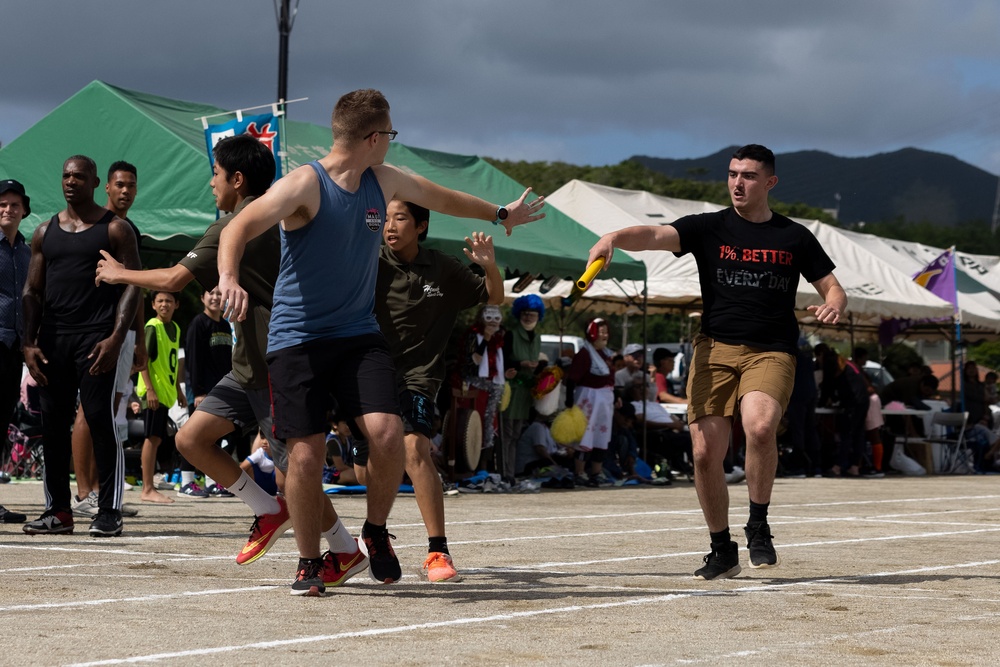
(834, 299)
(397, 184)
(640, 237)
(113, 272)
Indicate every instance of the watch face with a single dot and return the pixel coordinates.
(502, 213)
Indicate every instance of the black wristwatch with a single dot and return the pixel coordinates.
(501, 215)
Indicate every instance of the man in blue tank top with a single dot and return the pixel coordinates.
(332, 212)
(73, 334)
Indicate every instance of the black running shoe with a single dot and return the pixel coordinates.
(309, 578)
(107, 523)
(722, 563)
(6, 516)
(383, 564)
(759, 545)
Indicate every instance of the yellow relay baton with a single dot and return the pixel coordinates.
(583, 283)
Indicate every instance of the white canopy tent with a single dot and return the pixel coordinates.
(978, 306)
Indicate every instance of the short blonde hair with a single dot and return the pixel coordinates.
(358, 114)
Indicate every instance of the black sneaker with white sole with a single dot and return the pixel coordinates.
(722, 563)
(309, 578)
(762, 553)
(6, 516)
(107, 523)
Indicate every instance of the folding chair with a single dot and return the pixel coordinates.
(955, 454)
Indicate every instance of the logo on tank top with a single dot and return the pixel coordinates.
(373, 219)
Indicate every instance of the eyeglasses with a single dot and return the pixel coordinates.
(392, 134)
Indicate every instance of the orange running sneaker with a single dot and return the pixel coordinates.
(265, 530)
(439, 567)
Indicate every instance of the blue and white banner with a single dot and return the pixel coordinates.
(263, 127)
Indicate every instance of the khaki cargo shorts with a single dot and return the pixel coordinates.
(722, 374)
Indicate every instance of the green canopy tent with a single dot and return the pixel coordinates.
(164, 139)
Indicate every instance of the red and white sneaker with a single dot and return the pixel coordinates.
(339, 567)
(439, 568)
(265, 530)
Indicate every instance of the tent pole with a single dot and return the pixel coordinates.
(645, 368)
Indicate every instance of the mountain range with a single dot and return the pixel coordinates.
(909, 184)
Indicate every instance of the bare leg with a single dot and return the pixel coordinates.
(149, 493)
(426, 483)
(709, 444)
(760, 414)
(384, 433)
(304, 491)
(84, 464)
(196, 442)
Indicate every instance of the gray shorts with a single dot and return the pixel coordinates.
(247, 409)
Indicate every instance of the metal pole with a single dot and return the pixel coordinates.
(284, 30)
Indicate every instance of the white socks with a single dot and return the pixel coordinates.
(256, 498)
(340, 539)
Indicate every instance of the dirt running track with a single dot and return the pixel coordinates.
(899, 571)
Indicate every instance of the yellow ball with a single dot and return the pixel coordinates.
(569, 426)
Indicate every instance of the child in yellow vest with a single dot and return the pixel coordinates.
(159, 386)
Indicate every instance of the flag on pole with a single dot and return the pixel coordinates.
(939, 277)
(263, 127)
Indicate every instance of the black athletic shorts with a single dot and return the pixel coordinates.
(417, 411)
(154, 422)
(357, 372)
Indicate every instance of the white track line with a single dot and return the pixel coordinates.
(142, 598)
(656, 599)
(155, 557)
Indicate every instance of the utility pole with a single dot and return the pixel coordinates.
(286, 18)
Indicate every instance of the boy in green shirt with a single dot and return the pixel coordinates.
(159, 386)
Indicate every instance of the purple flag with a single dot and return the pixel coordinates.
(939, 277)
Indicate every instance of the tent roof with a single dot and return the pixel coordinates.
(164, 139)
(977, 305)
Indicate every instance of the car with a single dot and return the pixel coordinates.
(878, 375)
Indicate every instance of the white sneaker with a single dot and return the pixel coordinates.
(736, 476)
(85, 507)
(160, 482)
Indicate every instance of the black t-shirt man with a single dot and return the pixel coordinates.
(749, 274)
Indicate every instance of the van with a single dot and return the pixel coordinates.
(560, 349)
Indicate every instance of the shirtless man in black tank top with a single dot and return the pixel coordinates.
(73, 334)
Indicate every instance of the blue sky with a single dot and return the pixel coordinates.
(584, 82)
